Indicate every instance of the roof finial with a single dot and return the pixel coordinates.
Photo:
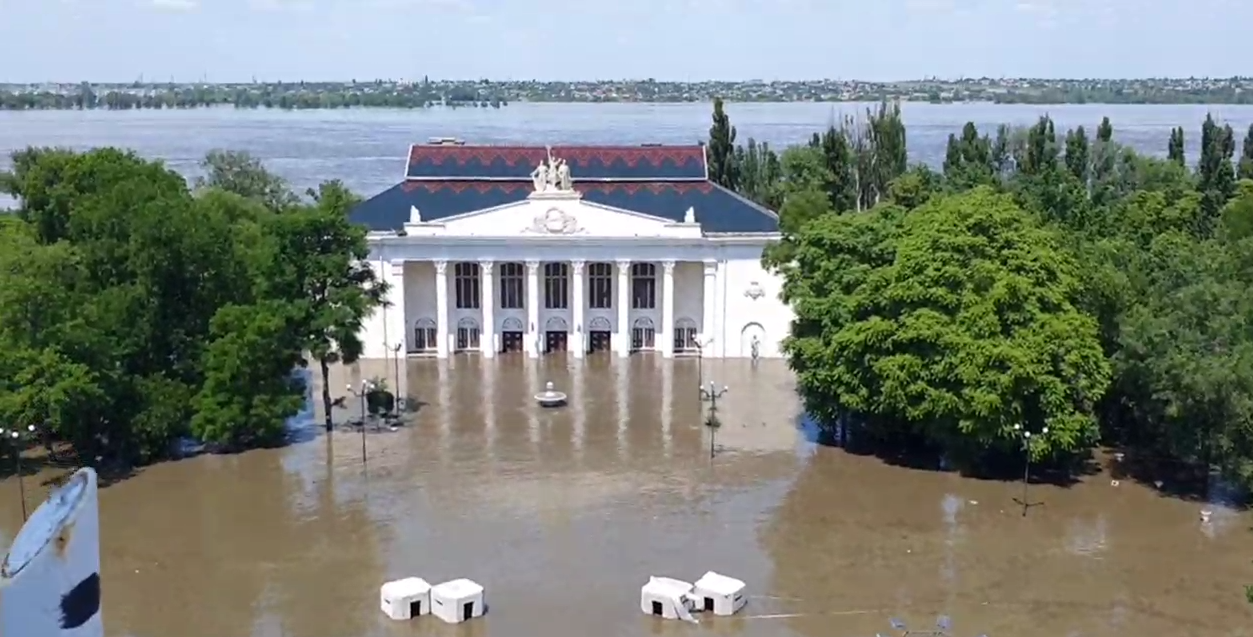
(415, 215)
(690, 215)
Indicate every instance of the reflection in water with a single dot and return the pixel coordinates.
(562, 514)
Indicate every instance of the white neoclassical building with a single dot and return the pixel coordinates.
(582, 250)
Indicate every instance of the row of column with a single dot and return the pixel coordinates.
(487, 338)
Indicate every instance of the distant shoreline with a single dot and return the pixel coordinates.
(433, 107)
(426, 93)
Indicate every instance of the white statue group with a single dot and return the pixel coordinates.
(552, 175)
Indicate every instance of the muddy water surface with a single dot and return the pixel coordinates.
(562, 515)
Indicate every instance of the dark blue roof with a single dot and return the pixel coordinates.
(587, 163)
(718, 210)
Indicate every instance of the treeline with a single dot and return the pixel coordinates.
(1043, 279)
(287, 97)
(135, 310)
(1145, 95)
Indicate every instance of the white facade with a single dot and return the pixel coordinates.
(554, 272)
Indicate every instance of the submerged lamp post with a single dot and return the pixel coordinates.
(942, 625)
(700, 345)
(1025, 435)
(712, 393)
(366, 387)
(399, 390)
(14, 437)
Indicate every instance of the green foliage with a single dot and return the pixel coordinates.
(249, 389)
(1174, 151)
(1079, 286)
(133, 312)
(721, 149)
(1244, 170)
(955, 321)
(242, 174)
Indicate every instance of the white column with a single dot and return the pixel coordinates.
(666, 333)
(576, 298)
(707, 329)
(624, 305)
(441, 309)
(487, 339)
(532, 309)
(398, 325)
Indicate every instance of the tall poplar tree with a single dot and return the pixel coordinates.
(1077, 155)
(1174, 151)
(721, 150)
(1245, 169)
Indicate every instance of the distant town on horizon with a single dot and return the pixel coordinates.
(425, 92)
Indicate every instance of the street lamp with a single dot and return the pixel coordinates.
(700, 363)
(1025, 435)
(712, 393)
(942, 625)
(399, 390)
(366, 386)
(14, 436)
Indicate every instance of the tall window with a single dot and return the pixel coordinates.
(643, 334)
(643, 286)
(466, 281)
(467, 334)
(685, 336)
(600, 285)
(424, 336)
(512, 290)
(556, 286)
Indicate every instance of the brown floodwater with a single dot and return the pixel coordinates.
(563, 514)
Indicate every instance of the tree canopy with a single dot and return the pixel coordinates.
(135, 310)
(1044, 278)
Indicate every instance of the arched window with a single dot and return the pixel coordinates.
(556, 286)
(425, 337)
(643, 334)
(512, 290)
(600, 286)
(643, 286)
(512, 324)
(467, 334)
(466, 282)
(686, 336)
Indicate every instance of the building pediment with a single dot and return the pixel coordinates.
(555, 215)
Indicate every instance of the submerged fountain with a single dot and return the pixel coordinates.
(50, 580)
(550, 397)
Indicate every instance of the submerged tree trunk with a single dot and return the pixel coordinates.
(326, 391)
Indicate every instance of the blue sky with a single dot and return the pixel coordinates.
(228, 40)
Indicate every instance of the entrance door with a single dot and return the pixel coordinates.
(554, 342)
(511, 342)
(598, 341)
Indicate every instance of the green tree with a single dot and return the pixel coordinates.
(1105, 132)
(1238, 213)
(111, 275)
(319, 257)
(249, 390)
(1078, 160)
(968, 160)
(954, 322)
(1244, 169)
(721, 149)
(242, 174)
(1174, 151)
(1189, 347)
(1216, 180)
